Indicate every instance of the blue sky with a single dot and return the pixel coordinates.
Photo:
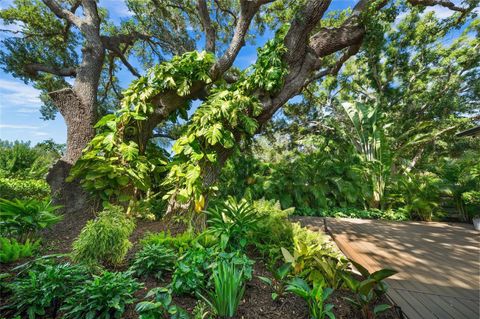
(19, 102)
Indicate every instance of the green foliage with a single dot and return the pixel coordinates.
(153, 259)
(279, 280)
(274, 230)
(368, 291)
(24, 189)
(105, 239)
(160, 306)
(41, 292)
(18, 160)
(228, 289)
(117, 159)
(314, 257)
(201, 310)
(360, 213)
(180, 243)
(103, 297)
(190, 273)
(315, 297)
(11, 250)
(232, 222)
(24, 218)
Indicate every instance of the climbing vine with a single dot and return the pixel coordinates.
(117, 163)
(228, 115)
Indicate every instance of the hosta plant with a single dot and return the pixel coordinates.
(154, 259)
(315, 297)
(40, 292)
(103, 297)
(368, 291)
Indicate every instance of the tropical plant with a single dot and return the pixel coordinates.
(315, 297)
(23, 219)
(228, 289)
(232, 222)
(279, 280)
(368, 291)
(160, 306)
(11, 250)
(153, 259)
(105, 239)
(42, 291)
(103, 297)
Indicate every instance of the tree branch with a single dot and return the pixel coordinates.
(248, 9)
(63, 13)
(444, 3)
(35, 68)
(207, 25)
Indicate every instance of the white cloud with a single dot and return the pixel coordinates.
(40, 133)
(27, 110)
(17, 93)
(19, 126)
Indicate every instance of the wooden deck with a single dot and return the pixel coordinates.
(438, 263)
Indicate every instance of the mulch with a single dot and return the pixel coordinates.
(257, 302)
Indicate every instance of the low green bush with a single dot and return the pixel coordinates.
(179, 243)
(159, 305)
(11, 250)
(103, 297)
(154, 259)
(191, 270)
(274, 230)
(23, 219)
(41, 292)
(105, 239)
(12, 188)
(360, 213)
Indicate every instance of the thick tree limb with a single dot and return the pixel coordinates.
(207, 25)
(63, 13)
(35, 68)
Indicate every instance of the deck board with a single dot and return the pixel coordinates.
(438, 263)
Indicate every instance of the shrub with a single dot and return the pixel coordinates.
(179, 243)
(42, 291)
(232, 222)
(104, 296)
(11, 250)
(368, 291)
(160, 305)
(191, 271)
(23, 189)
(228, 289)
(105, 239)
(23, 219)
(278, 283)
(315, 297)
(153, 259)
(274, 230)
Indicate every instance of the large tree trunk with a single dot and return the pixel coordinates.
(77, 105)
